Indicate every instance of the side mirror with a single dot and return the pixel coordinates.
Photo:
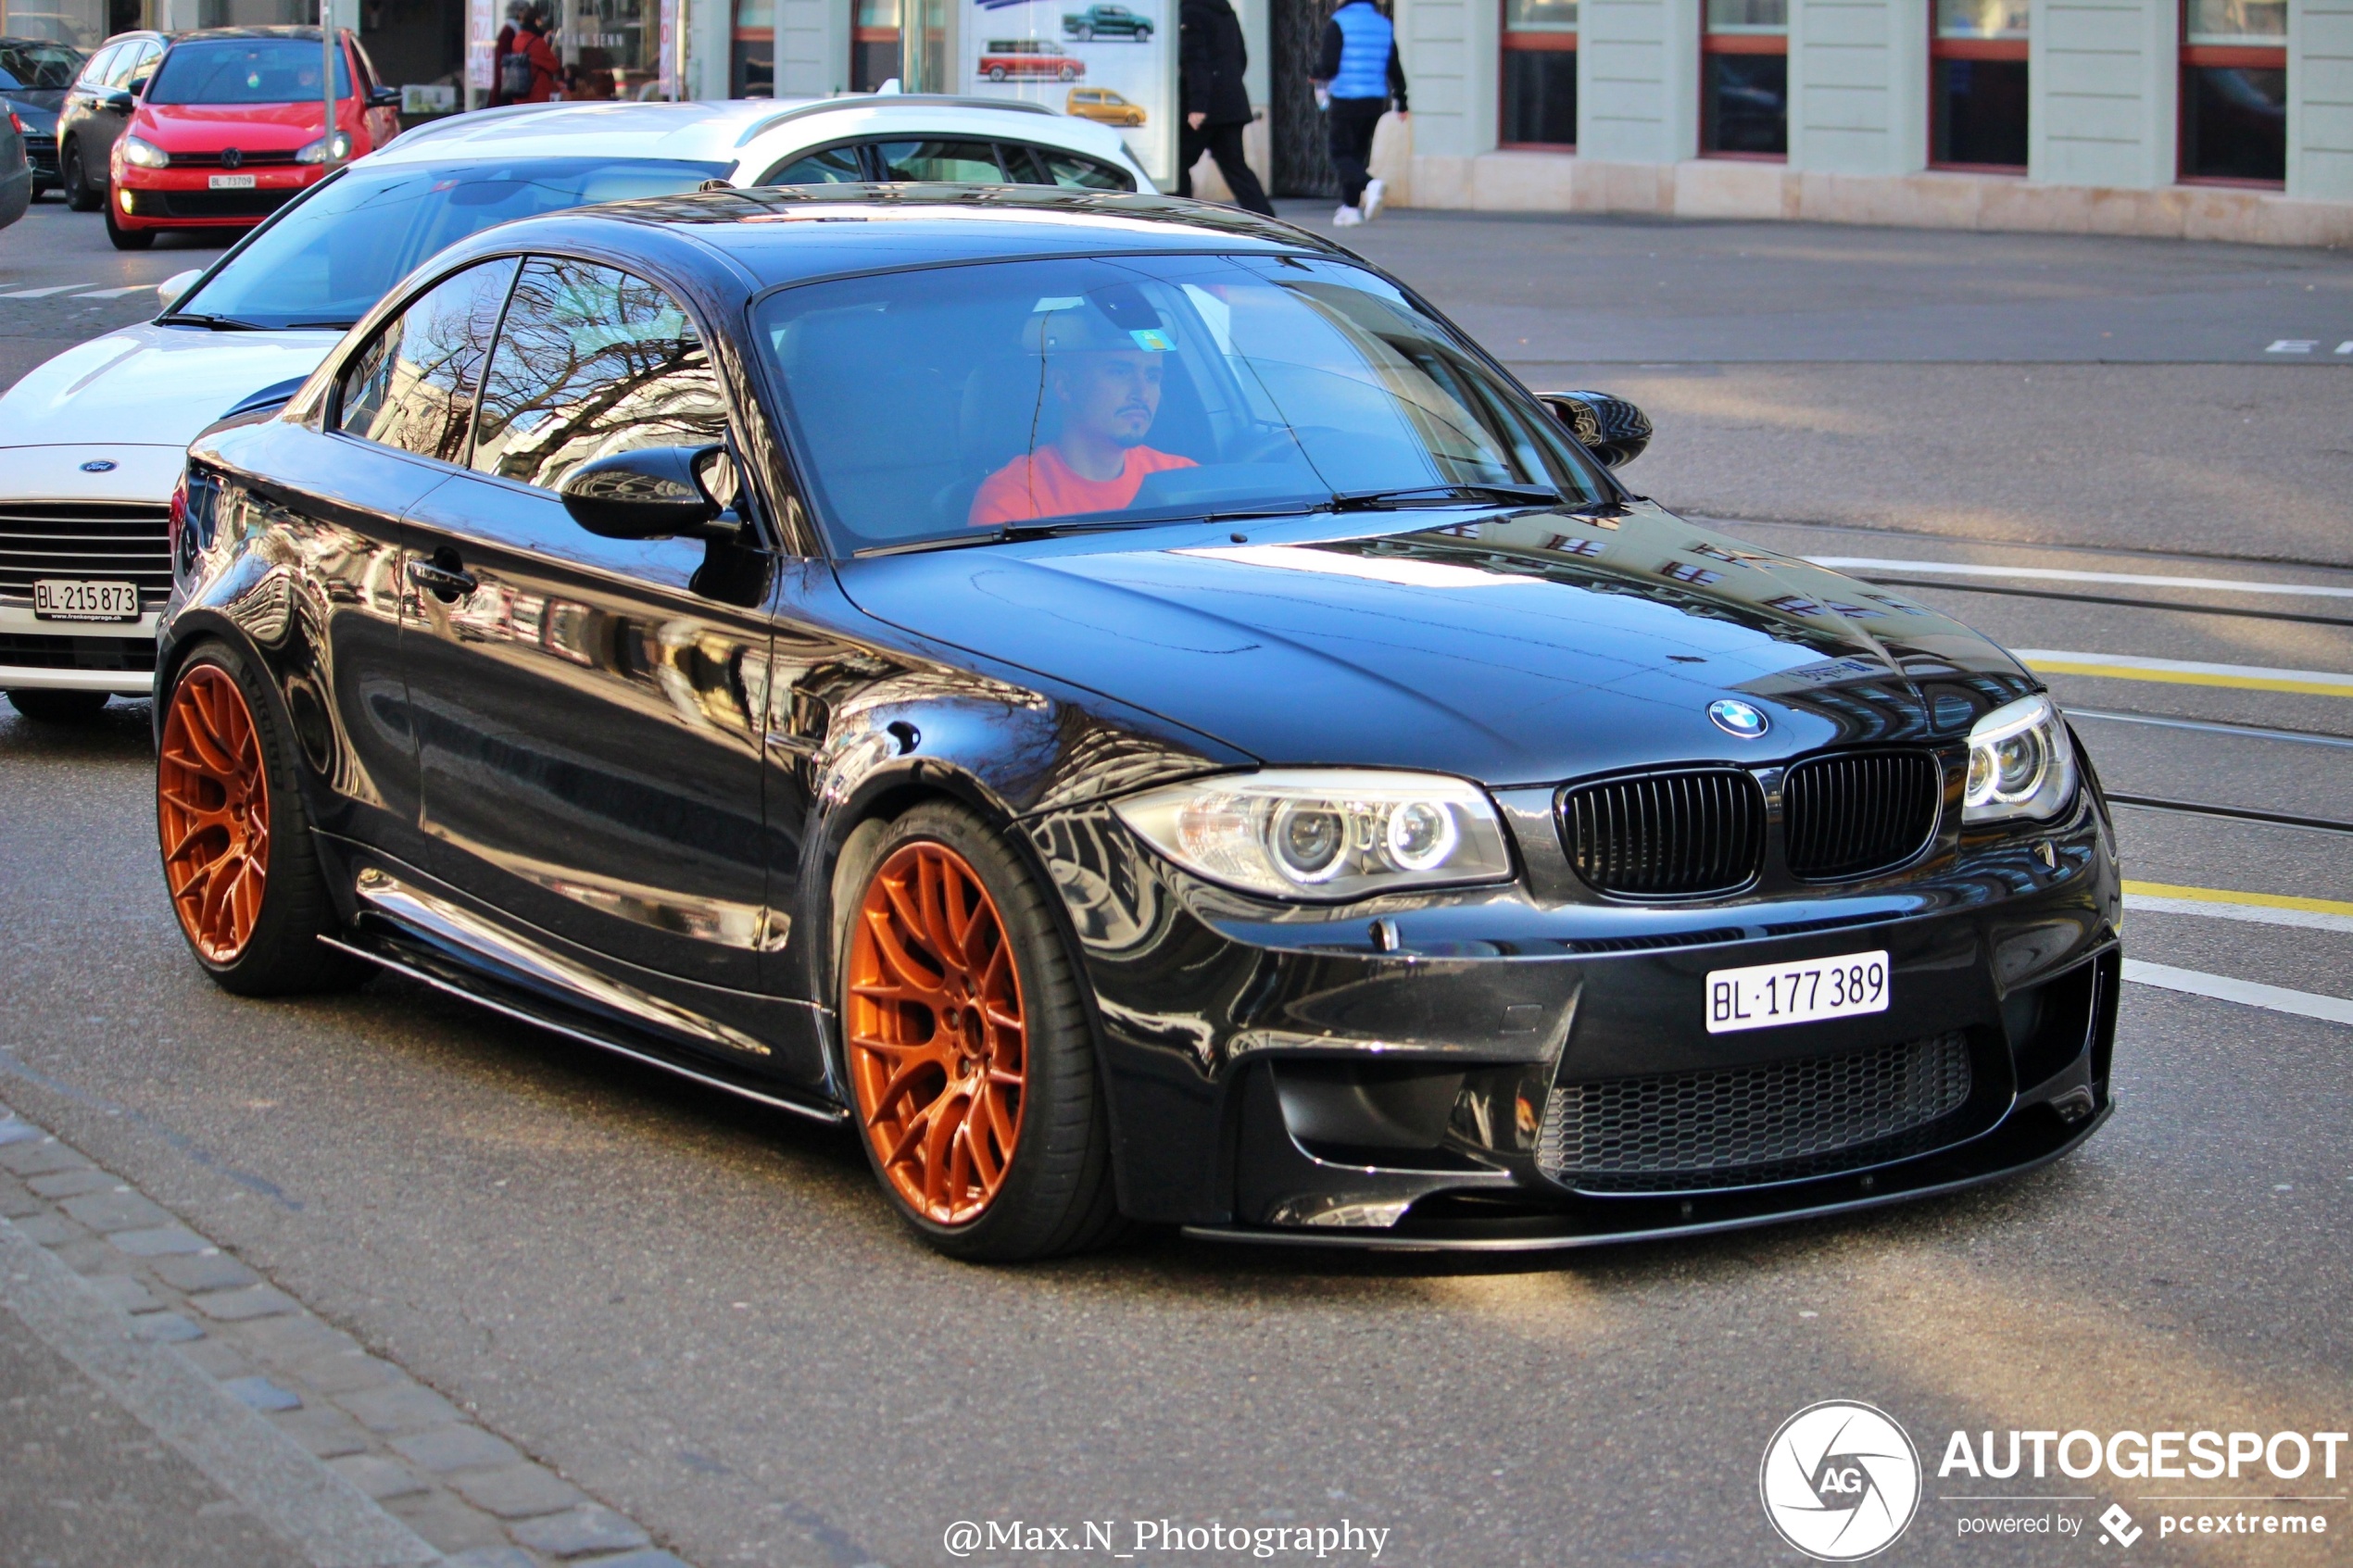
(654, 493)
(119, 101)
(1610, 428)
(170, 290)
(384, 97)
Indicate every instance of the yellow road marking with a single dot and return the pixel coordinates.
(2224, 895)
(2249, 678)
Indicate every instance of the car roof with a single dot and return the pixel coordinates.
(791, 233)
(723, 131)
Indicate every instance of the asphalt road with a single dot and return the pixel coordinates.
(706, 1318)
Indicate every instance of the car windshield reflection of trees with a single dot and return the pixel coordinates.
(1100, 392)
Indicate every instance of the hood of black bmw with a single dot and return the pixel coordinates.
(1516, 648)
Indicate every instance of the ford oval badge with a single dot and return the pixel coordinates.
(98, 465)
(1738, 719)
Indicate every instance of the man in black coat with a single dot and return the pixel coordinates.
(1210, 62)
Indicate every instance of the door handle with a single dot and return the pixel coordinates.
(444, 580)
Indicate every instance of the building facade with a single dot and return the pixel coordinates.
(2220, 119)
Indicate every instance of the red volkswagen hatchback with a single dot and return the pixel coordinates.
(232, 125)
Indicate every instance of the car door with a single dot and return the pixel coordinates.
(588, 756)
(396, 417)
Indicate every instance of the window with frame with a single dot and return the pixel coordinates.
(591, 361)
(414, 386)
(751, 66)
(1743, 109)
(873, 44)
(1977, 86)
(2234, 105)
(1539, 97)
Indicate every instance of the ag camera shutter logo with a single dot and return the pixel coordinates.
(1841, 1481)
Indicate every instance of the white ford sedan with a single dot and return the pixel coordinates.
(91, 443)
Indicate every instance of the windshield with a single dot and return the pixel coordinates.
(929, 403)
(31, 67)
(245, 71)
(327, 258)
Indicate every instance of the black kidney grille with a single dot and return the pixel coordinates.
(1779, 1120)
(1852, 815)
(1667, 834)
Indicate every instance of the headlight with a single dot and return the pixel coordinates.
(145, 154)
(2021, 763)
(315, 152)
(1328, 836)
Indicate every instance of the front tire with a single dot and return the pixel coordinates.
(239, 860)
(58, 708)
(79, 198)
(970, 1058)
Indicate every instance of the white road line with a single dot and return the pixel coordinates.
(2259, 914)
(2240, 732)
(2346, 347)
(2186, 671)
(39, 294)
(2247, 993)
(2062, 574)
(117, 293)
(2293, 346)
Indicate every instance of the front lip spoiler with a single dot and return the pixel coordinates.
(1547, 1234)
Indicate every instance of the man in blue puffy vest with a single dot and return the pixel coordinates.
(1358, 73)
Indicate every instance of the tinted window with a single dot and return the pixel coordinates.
(1082, 173)
(142, 63)
(413, 387)
(95, 73)
(37, 66)
(326, 259)
(923, 404)
(245, 71)
(834, 166)
(953, 163)
(591, 361)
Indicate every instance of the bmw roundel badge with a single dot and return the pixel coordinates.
(1738, 719)
(98, 465)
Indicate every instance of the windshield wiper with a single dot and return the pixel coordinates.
(218, 323)
(1011, 532)
(1375, 500)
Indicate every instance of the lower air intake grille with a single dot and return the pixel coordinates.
(1780, 1120)
(34, 650)
(1667, 834)
(1853, 815)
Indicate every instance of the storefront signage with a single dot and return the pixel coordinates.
(1112, 61)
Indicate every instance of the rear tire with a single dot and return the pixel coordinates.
(58, 708)
(239, 859)
(929, 1068)
(127, 239)
(79, 198)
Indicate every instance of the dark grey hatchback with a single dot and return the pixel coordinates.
(1122, 704)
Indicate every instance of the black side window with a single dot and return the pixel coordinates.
(592, 361)
(413, 386)
(834, 166)
(953, 163)
(94, 75)
(1080, 173)
(143, 65)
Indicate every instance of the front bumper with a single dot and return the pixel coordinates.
(1281, 1075)
(177, 198)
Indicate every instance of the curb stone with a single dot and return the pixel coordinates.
(356, 1462)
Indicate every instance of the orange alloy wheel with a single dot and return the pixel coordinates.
(938, 1042)
(212, 807)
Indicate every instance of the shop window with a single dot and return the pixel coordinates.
(1743, 106)
(1539, 73)
(611, 48)
(1977, 85)
(752, 64)
(873, 44)
(2233, 108)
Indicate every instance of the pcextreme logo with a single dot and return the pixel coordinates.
(1841, 1481)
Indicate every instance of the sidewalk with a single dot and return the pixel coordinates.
(166, 1405)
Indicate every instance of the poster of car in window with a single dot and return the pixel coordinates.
(1111, 61)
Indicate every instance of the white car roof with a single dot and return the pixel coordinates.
(753, 133)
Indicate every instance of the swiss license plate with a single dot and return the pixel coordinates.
(1770, 995)
(231, 182)
(66, 598)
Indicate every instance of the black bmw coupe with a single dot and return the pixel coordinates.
(1125, 705)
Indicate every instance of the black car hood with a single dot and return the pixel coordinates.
(1511, 649)
(38, 106)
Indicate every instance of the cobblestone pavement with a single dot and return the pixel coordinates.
(368, 1466)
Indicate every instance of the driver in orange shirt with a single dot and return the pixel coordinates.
(1103, 392)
